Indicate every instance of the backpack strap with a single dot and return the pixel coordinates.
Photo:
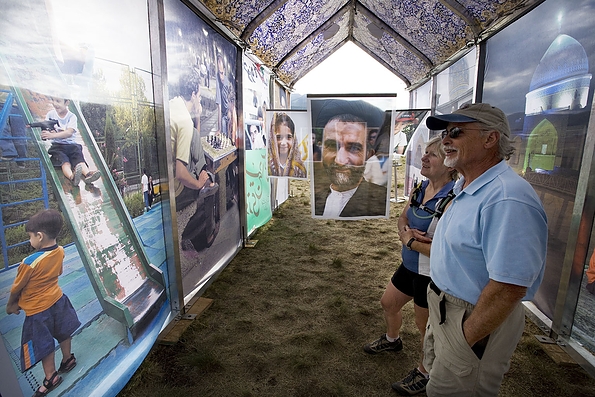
(443, 203)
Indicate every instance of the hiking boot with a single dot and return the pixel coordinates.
(415, 382)
(382, 344)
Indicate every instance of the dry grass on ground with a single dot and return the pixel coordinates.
(291, 315)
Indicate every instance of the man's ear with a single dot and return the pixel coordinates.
(491, 139)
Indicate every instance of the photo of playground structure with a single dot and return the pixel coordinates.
(176, 171)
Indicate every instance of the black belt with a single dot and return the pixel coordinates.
(438, 291)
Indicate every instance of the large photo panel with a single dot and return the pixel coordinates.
(256, 182)
(548, 98)
(355, 135)
(201, 67)
(279, 186)
(290, 144)
(77, 129)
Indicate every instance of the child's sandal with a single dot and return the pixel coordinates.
(67, 365)
(49, 385)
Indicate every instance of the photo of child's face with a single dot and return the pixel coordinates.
(253, 131)
(59, 104)
(284, 139)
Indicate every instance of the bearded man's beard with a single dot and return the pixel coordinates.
(345, 176)
(451, 161)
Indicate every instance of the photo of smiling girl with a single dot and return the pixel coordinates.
(285, 158)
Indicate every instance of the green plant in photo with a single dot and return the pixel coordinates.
(135, 204)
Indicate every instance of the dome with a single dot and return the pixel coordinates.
(564, 58)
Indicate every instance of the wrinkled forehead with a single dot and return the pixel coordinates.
(348, 131)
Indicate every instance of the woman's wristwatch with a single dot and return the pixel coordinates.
(408, 245)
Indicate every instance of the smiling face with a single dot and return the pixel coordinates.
(344, 153)
(285, 140)
(432, 163)
(61, 105)
(465, 149)
(474, 150)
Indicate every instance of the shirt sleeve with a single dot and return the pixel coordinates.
(516, 248)
(24, 272)
(72, 122)
(182, 130)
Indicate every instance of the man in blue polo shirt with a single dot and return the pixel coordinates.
(488, 254)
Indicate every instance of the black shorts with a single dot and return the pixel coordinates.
(66, 153)
(412, 284)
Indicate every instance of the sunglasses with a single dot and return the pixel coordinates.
(456, 131)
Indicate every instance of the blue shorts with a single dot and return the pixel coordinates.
(39, 331)
(66, 153)
(412, 284)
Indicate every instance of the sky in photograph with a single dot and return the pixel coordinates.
(507, 82)
(352, 71)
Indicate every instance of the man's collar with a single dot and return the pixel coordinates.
(483, 179)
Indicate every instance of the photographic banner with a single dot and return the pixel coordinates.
(69, 128)
(288, 152)
(548, 98)
(350, 181)
(257, 186)
(201, 66)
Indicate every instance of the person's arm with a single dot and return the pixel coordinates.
(66, 130)
(421, 244)
(67, 133)
(187, 179)
(403, 221)
(496, 302)
(12, 306)
(21, 279)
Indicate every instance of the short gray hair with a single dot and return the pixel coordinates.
(505, 148)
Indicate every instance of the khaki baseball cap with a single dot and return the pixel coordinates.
(485, 113)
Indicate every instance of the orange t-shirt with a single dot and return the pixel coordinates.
(36, 282)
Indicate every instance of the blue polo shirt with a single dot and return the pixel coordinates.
(496, 228)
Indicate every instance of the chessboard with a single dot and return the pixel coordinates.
(217, 146)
